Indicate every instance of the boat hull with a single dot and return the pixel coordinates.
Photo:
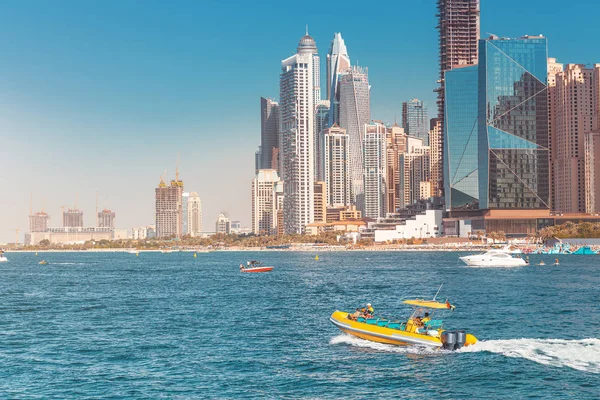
(385, 335)
(258, 269)
(3, 259)
(478, 261)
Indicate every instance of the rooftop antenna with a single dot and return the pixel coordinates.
(306, 29)
(177, 169)
(30, 203)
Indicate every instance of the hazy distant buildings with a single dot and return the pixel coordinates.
(38, 222)
(223, 225)
(375, 170)
(415, 120)
(72, 218)
(266, 194)
(269, 134)
(169, 208)
(106, 219)
(355, 112)
(336, 166)
(193, 215)
(338, 61)
(458, 27)
(299, 93)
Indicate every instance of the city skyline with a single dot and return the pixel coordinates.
(70, 124)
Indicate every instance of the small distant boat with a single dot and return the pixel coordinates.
(195, 255)
(166, 251)
(255, 266)
(43, 262)
(2, 257)
(556, 262)
(36, 253)
(133, 251)
(542, 263)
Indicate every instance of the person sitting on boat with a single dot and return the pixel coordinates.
(369, 311)
(426, 319)
(241, 267)
(354, 317)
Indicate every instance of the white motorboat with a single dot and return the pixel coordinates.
(2, 257)
(494, 258)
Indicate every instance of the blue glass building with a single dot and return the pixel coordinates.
(496, 128)
(513, 124)
(461, 184)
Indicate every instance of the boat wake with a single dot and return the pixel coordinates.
(357, 342)
(582, 355)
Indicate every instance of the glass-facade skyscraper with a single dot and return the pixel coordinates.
(496, 132)
(415, 120)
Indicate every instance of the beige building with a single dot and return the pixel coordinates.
(267, 200)
(337, 226)
(554, 68)
(592, 172)
(336, 166)
(169, 208)
(396, 145)
(194, 215)
(320, 202)
(414, 169)
(436, 166)
(574, 113)
(223, 225)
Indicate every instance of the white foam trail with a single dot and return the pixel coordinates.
(582, 355)
(358, 342)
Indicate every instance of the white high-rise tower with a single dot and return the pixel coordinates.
(298, 93)
(355, 113)
(338, 61)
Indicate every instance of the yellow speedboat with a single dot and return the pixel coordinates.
(43, 262)
(431, 333)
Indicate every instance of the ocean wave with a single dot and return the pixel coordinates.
(582, 355)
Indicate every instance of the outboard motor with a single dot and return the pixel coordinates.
(461, 338)
(448, 340)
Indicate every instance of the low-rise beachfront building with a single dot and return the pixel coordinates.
(337, 226)
(427, 225)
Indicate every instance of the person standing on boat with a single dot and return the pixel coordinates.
(369, 310)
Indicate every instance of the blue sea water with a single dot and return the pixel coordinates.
(91, 325)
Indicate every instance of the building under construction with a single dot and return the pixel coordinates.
(106, 219)
(458, 27)
(169, 208)
(38, 222)
(73, 218)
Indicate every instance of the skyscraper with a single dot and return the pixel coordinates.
(184, 211)
(336, 155)
(496, 136)
(554, 68)
(355, 113)
(375, 170)
(458, 27)
(415, 179)
(169, 208)
(461, 151)
(321, 122)
(396, 145)
(573, 116)
(106, 219)
(435, 145)
(592, 172)
(269, 132)
(338, 61)
(265, 202)
(415, 120)
(194, 214)
(298, 94)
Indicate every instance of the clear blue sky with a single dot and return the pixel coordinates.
(102, 95)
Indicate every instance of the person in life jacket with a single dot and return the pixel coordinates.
(369, 311)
